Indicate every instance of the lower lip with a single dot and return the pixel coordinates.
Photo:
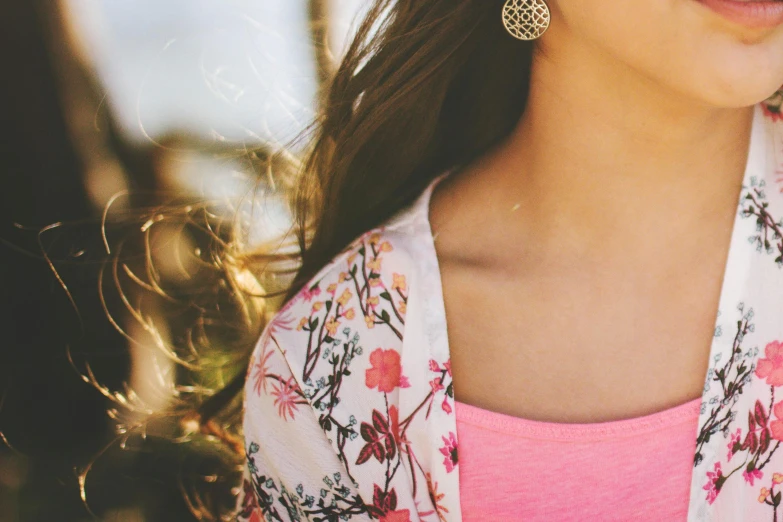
(757, 15)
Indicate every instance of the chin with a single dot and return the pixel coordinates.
(739, 93)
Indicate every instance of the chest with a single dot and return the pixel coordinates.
(579, 346)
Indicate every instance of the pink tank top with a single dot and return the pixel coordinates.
(516, 469)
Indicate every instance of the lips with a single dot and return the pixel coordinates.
(755, 14)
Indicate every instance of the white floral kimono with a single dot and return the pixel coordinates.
(349, 410)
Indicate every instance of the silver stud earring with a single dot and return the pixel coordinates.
(526, 19)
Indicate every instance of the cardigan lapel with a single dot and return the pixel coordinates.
(738, 468)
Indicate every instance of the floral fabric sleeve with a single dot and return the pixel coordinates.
(327, 436)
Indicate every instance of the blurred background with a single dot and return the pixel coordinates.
(108, 106)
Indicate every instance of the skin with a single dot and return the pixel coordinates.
(613, 202)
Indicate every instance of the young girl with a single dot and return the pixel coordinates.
(541, 277)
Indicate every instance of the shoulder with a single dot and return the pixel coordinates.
(365, 284)
(361, 293)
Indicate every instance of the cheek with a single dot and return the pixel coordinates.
(678, 44)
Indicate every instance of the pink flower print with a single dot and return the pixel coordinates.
(447, 365)
(736, 438)
(449, 450)
(399, 282)
(285, 398)
(715, 482)
(446, 406)
(400, 515)
(771, 367)
(308, 293)
(436, 385)
(261, 370)
(772, 112)
(776, 426)
(750, 476)
(386, 370)
(434, 366)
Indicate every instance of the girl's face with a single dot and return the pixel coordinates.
(681, 44)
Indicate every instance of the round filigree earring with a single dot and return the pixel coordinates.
(526, 19)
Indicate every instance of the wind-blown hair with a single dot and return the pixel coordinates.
(425, 86)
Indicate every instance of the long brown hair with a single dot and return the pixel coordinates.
(426, 85)
(437, 85)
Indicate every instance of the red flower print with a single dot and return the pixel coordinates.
(776, 426)
(386, 371)
(402, 515)
(715, 482)
(736, 437)
(308, 293)
(772, 111)
(771, 367)
(394, 415)
(750, 476)
(450, 451)
(286, 398)
(446, 406)
(384, 506)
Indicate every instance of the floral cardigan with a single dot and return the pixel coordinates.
(349, 403)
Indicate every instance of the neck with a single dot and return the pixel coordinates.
(604, 153)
